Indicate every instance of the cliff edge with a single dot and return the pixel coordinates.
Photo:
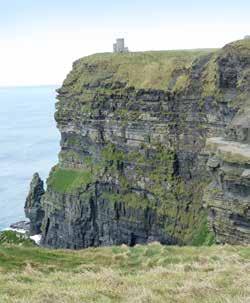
(136, 133)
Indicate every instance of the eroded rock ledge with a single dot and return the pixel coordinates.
(228, 196)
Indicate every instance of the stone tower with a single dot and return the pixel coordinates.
(119, 46)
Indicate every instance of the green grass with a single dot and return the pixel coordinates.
(241, 46)
(152, 273)
(11, 237)
(68, 180)
(202, 235)
(166, 70)
(152, 69)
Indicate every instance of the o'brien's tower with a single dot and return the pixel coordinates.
(119, 46)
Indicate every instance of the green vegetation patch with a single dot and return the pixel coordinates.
(12, 237)
(167, 194)
(16, 257)
(241, 47)
(202, 235)
(69, 180)
(211, 78)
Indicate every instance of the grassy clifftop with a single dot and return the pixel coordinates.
(152, 273)
(147, 70)
(151, 69)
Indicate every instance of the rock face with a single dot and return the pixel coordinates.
(228, 196)
(132, 166)
(33, 209)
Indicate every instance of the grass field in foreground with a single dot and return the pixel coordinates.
(151, 273)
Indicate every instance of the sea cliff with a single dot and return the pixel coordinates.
(154, 147)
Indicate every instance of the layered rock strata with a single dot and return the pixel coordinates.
(228, 195)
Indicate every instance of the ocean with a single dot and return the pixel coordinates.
(29, 143)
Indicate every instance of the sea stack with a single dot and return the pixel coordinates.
(33, 209)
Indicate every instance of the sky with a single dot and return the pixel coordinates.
(39, 40)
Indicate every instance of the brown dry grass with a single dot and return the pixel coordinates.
(152, 273)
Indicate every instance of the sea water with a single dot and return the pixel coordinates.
(29, 143)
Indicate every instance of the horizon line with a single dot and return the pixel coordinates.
(28, 85)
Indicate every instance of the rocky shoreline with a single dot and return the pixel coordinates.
(23, 227)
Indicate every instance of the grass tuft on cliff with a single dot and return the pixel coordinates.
(68, 180)
(151, 273)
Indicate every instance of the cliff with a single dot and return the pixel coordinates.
(136, 132)
(228, 195)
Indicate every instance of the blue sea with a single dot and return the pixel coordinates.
(29, 142)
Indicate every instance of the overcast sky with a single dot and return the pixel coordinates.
(39, 40)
